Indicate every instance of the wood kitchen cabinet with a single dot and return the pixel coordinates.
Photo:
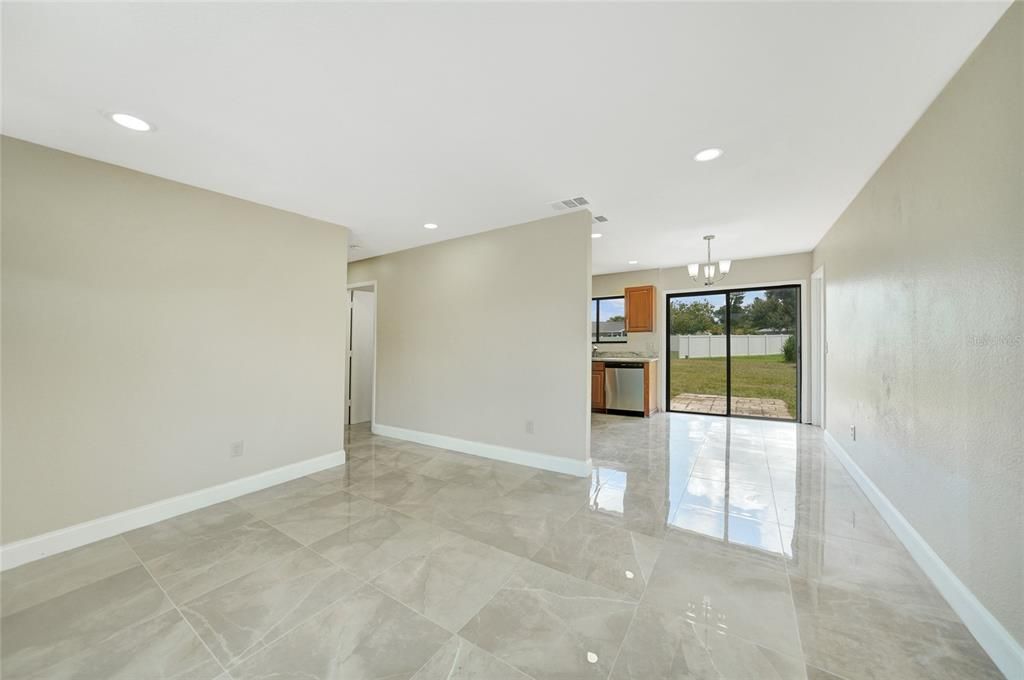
(597, 386)
(640, 309)
(650, 388)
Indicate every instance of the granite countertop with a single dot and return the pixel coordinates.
(642, 360)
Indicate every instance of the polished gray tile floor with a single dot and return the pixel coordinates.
(700, 547)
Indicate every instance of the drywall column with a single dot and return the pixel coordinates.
(483, 342)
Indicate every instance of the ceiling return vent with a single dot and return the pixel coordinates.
(570, 203)
(598, 219)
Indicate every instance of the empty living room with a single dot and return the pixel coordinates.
(512, 340)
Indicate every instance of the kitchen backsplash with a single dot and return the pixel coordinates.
(626, 355)
(637, 344)
(640, 345)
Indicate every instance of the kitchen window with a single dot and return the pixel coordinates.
(608, 319)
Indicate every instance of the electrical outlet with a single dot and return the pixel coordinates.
(238, 449)
(853, 432)
(529, 427)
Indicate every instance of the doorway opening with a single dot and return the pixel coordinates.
(735, 352)
(361, 354)
(819, 348)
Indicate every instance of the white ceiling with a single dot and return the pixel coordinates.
(384, 116)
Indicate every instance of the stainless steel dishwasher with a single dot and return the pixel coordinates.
(624, 386)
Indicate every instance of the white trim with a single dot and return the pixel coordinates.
(1005, 651)
(34, 548)
(534, 459)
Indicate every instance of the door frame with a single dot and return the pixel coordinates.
(819, 347)
(800, 415)
(348, 350)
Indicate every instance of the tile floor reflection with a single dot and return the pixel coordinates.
(700, 547)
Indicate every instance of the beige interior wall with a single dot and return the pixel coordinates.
(924, 277)
(752, 272)
(477, 336)
(148, 325)
(756, 271)
(607, 285)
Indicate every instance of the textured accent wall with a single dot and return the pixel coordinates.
(924, 286)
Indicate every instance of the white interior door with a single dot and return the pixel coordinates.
(364, 307)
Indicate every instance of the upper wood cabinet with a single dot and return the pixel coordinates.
(640, 309)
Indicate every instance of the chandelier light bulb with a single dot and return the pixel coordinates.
(708, 269)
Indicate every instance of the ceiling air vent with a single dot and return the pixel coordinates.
(600, 218)
(570, 203)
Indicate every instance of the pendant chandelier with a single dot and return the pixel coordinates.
(712, 272)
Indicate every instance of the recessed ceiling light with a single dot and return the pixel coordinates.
(634, 262)
(596, 235)
(708, 154)
(131, 122)
(430, 225)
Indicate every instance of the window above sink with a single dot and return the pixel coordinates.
(608, 320)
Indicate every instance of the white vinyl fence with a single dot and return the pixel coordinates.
(695, 346)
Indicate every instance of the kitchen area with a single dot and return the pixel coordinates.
(624, 374)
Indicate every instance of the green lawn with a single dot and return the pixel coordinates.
(760, 376)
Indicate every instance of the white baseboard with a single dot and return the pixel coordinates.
(53, 542)
(543, 461)
(1005, 651)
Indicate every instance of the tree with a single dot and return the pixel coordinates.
(737, 314)
(789, 349)
(775, 311)
(693, 318)
(617, 317)
(786, 297)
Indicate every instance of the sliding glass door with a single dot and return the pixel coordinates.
(735, 352)
(698, 367)
(763, 358)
